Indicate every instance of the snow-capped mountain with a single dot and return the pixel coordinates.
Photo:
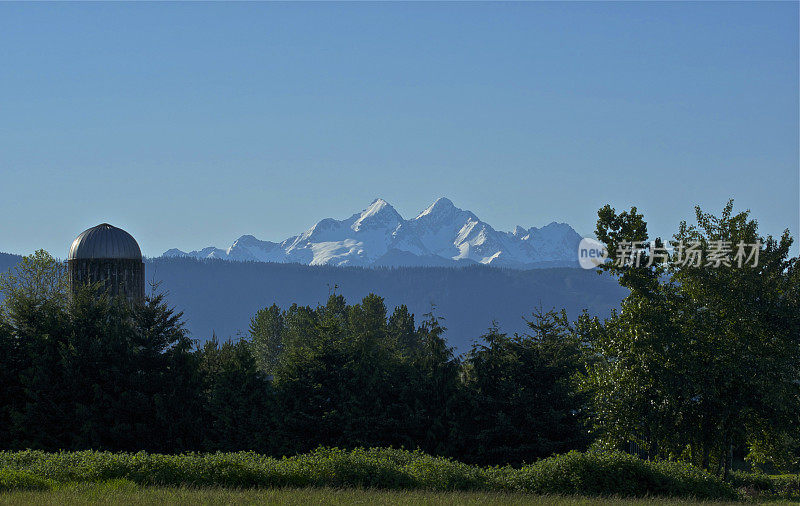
(440, 235)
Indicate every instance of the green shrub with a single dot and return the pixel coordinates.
(572, 473)
(617, 474)
(758, 482)
(785, 486)
(13, 479)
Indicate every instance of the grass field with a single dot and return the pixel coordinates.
(129, 493)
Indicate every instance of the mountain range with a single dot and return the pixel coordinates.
(441, 235)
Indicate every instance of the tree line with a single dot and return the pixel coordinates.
(699, 364)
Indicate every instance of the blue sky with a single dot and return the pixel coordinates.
(192, 124)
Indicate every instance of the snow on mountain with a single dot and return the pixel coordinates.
(442, 234)
(209, 252)
(358, 240)
(552, 242)
(248, 248)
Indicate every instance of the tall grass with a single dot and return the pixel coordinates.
(105, 494)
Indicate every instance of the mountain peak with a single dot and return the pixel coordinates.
(379, 211)
(556, 227)
(441, 204)
(377, 206)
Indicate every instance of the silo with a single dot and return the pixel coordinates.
(110, 256)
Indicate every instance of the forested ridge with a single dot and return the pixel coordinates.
(219, 297)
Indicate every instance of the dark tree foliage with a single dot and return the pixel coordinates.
(339, 378)
(93, 372)
(401, 329)
(238, 397)
(36, 327)
(433, 390)
(521, 402)
(9, 392)
(127, 379)
(349, 376)
(266, 334)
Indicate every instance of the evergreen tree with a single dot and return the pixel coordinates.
(521, 403)
(267, 329)
(10, 391)
(433, 388)
(36, 328)
(130, 376)
(402, 330)
(238, 399)
(339, 377)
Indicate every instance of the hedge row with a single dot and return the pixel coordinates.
(783, 486)
(573, 473)
(13, 479)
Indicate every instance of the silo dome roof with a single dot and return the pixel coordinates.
(104, 241)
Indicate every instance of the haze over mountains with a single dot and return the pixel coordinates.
(441, 235)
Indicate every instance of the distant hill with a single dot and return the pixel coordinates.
(441, 235)
(220, 297)
(7, 261)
